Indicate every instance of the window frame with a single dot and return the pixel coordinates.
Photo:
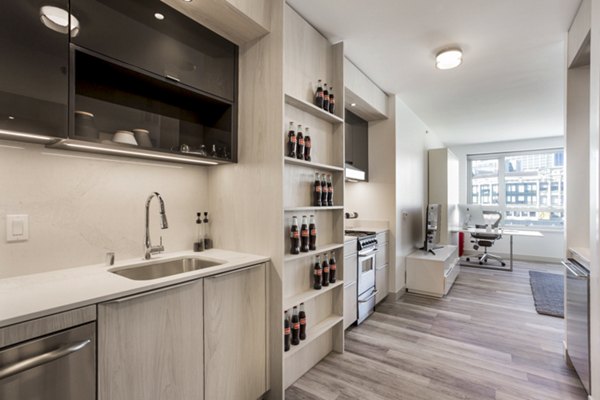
(502, 205)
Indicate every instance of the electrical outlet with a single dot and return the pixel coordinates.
(17, 228)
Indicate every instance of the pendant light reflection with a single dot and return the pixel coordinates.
(57, 19)
(448, 59)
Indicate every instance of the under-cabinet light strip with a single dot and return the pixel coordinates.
(26, 135)
(133, 153)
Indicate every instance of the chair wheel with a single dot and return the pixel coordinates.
(486, 260)
(468, 259)
(480, 262)
(503, 264)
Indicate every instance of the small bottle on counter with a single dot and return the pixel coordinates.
(307, 145)
(312, 232)
(294, 237)
(299, 143)
(287, 331)
(304, 235)
(295, 327)
(208, 243)
(302, 316)
(317, 274)
(199, 244)
(325, 268)
(291, 150)
(332, 268)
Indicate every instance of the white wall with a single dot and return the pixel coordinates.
(413, 140)
(548, 248)
(81, 205)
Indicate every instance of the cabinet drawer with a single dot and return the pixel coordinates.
(350, 269)
(451, 274)
(381, 283)
(349, 247)
(350, 305)
(382, 255)
(383, 237)
(175, 47)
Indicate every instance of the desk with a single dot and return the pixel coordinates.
(504, 232)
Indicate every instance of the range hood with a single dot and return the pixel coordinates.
(354, 174)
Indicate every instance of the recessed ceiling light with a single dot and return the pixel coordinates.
(159, 16)
(353, 105)
(448, 59)
(11, 117)
(188, 1)
(57, 19)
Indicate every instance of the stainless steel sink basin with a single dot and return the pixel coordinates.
(161, 269)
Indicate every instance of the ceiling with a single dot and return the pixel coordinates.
(510, 85)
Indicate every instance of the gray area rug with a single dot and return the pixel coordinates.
(548, 293)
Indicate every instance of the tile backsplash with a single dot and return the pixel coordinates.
(81, 206)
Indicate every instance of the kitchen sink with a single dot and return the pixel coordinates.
(160, 269)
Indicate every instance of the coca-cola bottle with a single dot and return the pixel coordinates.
(304, 235)
(331, 101)
(329, 191)
(312, 232)
(319, 95)
(323, 191)
(317, 274)
(299, 143)
(295, 327)
(287, 331)
(332, 268)
(302, 316)
(325, 268)
(291, 150)
(317, 191)
(307, 144)
(325, 98)
(294, 237)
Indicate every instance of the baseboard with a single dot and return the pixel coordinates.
(519, 257)
(392, 297)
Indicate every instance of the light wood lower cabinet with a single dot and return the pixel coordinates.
(150, 346)
(235, 335)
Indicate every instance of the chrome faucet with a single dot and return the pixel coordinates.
(149, 249)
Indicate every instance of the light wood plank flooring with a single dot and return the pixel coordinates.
(482, 341)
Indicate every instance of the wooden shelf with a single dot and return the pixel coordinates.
(322, 249)
(310, 164)
(312, 109)
(300, 209)
(314, 332)
(309, 294)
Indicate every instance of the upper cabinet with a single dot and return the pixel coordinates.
(33, 71)
(156, 38)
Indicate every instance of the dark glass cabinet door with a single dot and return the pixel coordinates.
(33, 70)
(173, 46)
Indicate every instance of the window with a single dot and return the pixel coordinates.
(527, 187)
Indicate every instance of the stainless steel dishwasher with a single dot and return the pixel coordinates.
(578, 319)
(58, 366)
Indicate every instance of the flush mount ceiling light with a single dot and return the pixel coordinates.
(448, 59)
(159, 16)
(57, 19)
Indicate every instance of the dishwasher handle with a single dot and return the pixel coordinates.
(36, 361)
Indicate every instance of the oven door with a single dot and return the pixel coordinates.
(366, 270)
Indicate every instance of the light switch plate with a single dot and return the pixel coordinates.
(17, 228)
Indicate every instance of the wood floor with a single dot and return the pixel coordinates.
(483, 341)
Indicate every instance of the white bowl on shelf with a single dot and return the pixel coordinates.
(124, 137)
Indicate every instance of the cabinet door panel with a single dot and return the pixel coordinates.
(174, 47)
(33, 67)
(150, 345)
(381, 283)
(235, 334)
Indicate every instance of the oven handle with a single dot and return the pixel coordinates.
(36, 361)
(366, 253)
(575, 273)
(370, 297)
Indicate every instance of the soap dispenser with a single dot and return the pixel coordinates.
(199, 244)
(208, 243)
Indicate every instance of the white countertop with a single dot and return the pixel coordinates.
(367, 229)
(37, 295)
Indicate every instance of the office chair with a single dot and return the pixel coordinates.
(487, 240)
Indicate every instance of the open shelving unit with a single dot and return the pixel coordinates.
(318, 59)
